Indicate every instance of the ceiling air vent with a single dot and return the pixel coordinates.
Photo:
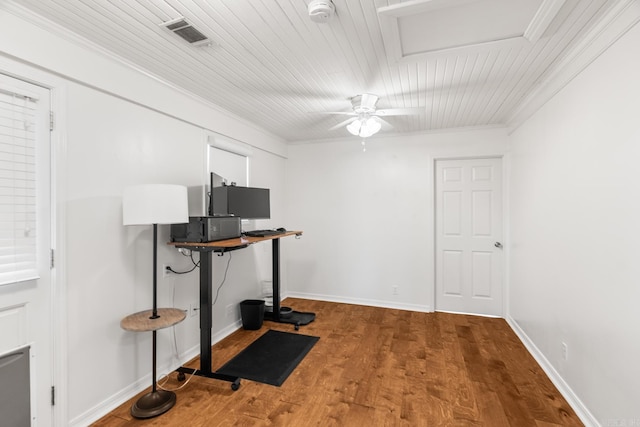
(187, 31)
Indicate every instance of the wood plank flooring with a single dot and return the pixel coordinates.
(377, 367)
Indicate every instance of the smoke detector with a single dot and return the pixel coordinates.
(321, 10)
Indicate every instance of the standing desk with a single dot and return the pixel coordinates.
(206, 251)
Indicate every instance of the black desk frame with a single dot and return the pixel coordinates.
(206, 299)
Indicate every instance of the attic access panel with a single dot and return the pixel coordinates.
(426, 27)
(477, 22)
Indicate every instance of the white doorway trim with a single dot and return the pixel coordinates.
(58, 243)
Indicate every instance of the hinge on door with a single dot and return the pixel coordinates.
(53, 395)
(50, 120)
(52, 259)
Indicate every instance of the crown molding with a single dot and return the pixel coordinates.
(278, 146)
(615, 23)
(542, 19)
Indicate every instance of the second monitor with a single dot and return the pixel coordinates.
(245, 202)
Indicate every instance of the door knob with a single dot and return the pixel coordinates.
(497, 245)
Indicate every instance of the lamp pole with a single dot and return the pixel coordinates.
(154, 314)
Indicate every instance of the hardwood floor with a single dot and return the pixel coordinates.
(378, 367)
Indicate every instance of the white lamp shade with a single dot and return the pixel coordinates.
(155, 204)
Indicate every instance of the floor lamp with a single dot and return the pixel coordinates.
(152, 205)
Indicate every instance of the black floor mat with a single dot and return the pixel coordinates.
(271, 358)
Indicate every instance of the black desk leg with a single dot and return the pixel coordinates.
(206, 324)
(275, 271)
(206, 315)
(295, 318)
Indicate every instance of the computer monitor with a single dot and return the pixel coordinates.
(215, 180)
(245, 202)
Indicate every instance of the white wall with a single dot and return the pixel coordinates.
(104, 142)
(575, 209)
(112, 144)
(368, 216)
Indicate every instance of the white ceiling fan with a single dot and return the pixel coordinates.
(365, 119)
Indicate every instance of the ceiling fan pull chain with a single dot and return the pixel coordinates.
(364, 146)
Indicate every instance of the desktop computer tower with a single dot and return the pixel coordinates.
(203, 229)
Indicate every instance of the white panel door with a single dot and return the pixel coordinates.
(468, 236)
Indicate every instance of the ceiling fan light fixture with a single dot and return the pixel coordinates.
(370, 127)
(364, 127)
(354, 127)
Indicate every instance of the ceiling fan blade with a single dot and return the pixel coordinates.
(386, 126)
(343, 123)
(398, 112)
(342, 113)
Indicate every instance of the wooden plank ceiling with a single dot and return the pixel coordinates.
(458, 63)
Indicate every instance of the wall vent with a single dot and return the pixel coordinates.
(186, 31)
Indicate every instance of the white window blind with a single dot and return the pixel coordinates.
(17, 187)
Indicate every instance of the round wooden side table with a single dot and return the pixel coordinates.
(155, 402)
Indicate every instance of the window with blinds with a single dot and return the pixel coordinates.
(17, 187)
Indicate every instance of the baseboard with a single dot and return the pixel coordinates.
(361, 301)
(493, 316)
(100, 410)
(103, 408)
(572, 399)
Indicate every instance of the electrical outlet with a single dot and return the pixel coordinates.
(194, 309)
(165, 270)
(231, 311)
(565, 351)
(395, 289)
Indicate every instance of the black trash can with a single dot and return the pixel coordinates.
(252, 313)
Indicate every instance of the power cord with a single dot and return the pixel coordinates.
(166, 380)
(224, 279)
(195, 264)
(181, 272)
(173, 328)
(175, 342)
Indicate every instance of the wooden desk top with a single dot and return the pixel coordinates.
(233, 243)
(142, 322)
